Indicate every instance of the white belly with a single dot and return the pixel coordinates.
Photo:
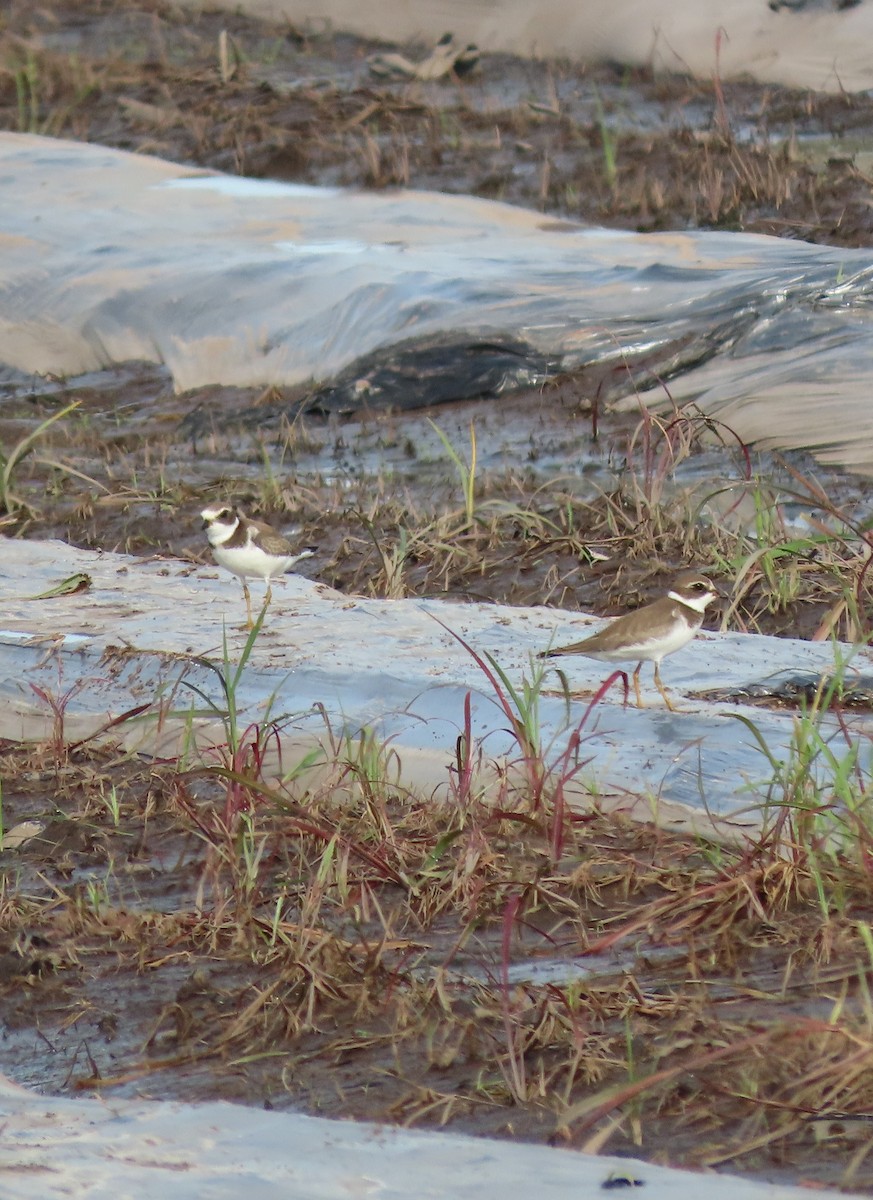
(648, 651)
(250, 561)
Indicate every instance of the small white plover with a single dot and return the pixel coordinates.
(250, 549)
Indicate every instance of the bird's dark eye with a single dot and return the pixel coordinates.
(225, 512)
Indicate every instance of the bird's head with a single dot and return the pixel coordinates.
(220, 521)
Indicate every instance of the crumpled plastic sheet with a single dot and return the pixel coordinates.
(110, 257)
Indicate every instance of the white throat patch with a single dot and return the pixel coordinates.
(698, 603)
(218, 534)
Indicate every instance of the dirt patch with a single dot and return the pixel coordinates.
(187, 930)
(188, 933)
(564, 505)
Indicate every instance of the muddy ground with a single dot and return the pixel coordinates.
(139, 956)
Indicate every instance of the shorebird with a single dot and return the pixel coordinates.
(650, 633)
(250, 549)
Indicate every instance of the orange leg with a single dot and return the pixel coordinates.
(672, 707)
(637, 686)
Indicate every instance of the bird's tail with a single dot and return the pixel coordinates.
(576, 648)
(306, 552)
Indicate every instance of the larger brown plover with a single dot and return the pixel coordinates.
(650, 633)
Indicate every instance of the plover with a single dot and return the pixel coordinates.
(250, 549)
(651, 632)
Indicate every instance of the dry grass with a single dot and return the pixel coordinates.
(794, 550)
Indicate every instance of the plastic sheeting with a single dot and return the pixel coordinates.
(109, 1149)
(330, 664)
(110, 257)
